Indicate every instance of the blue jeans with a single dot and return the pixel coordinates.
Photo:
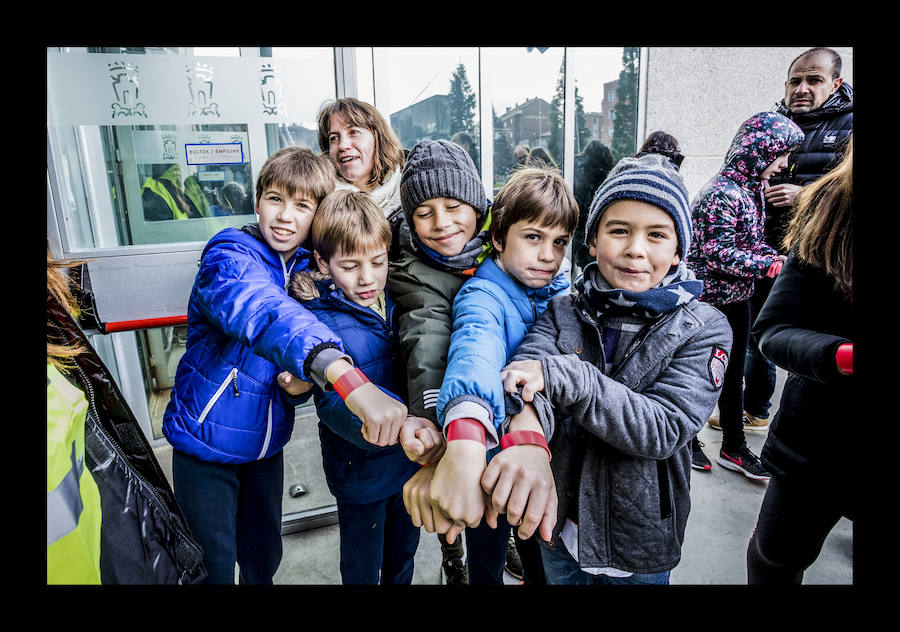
(234, 512)
(378, 542)
(759, 373)
(561, 568)
(759, 382)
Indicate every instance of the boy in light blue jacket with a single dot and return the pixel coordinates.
(535, 215)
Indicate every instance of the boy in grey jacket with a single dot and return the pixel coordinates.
(619, 377)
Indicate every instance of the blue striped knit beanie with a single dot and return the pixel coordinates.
(651, 178)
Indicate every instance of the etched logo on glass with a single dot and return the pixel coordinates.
(270, 90)
(169, 147)
(126, 87)
(200, 86)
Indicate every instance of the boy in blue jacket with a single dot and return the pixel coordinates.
(252, 353)
(534, 216)
(350, 239)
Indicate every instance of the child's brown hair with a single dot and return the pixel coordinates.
(297, 169)
(351, 221)
(533, 194)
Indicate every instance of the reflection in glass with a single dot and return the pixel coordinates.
(159, 351)
(209, 191)
(281, 135)
(527, 106)
(179, 183)
(431, 95)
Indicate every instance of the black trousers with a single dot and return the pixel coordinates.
(234, 512)
(487, 553)
(378, 542)
(793, 522)
(731, 399)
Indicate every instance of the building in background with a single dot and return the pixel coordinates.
(428, 118)
(527, 123)
(607, 113)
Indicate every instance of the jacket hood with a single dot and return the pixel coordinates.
(331, 296)
(840, 102)
(759, 141)
(173, 176)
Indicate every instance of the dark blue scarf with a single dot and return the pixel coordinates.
(678, 287)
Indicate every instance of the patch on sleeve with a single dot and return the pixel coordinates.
(718, 363)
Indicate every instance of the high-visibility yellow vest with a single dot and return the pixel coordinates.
(194, 192)
(161, 191)
(73, 500)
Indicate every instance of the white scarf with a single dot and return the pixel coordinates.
(386, 195)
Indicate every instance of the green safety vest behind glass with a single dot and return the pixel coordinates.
(190, 188)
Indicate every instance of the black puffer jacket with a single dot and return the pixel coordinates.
(800, 327)
(826, 130)
(144, 538)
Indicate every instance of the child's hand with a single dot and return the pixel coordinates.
(456, 488)
(422, 442)
(529, 374)
(520, 484)
(293, 385)
(423, 512)
(381, 414)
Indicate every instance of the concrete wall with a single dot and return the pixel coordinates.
(701, 95)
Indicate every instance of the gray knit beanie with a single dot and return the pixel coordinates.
(652, 178)
(439, 168)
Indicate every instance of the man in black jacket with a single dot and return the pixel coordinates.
(821, 103)
(818, 99)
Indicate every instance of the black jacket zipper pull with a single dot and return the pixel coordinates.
(234, 384)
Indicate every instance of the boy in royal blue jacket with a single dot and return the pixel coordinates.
(251, 354)
(350, 239)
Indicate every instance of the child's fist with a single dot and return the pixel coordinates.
(527, 374)
(293, 385)
(422, 442)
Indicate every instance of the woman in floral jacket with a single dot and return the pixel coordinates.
(729, 254)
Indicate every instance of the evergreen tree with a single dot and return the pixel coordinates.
(624, 134)
(462, 103)
(582, 132)
(556, 144)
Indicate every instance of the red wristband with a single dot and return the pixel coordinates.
(349, 381)
(465, 428)
(520, 437)
(844, 358)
